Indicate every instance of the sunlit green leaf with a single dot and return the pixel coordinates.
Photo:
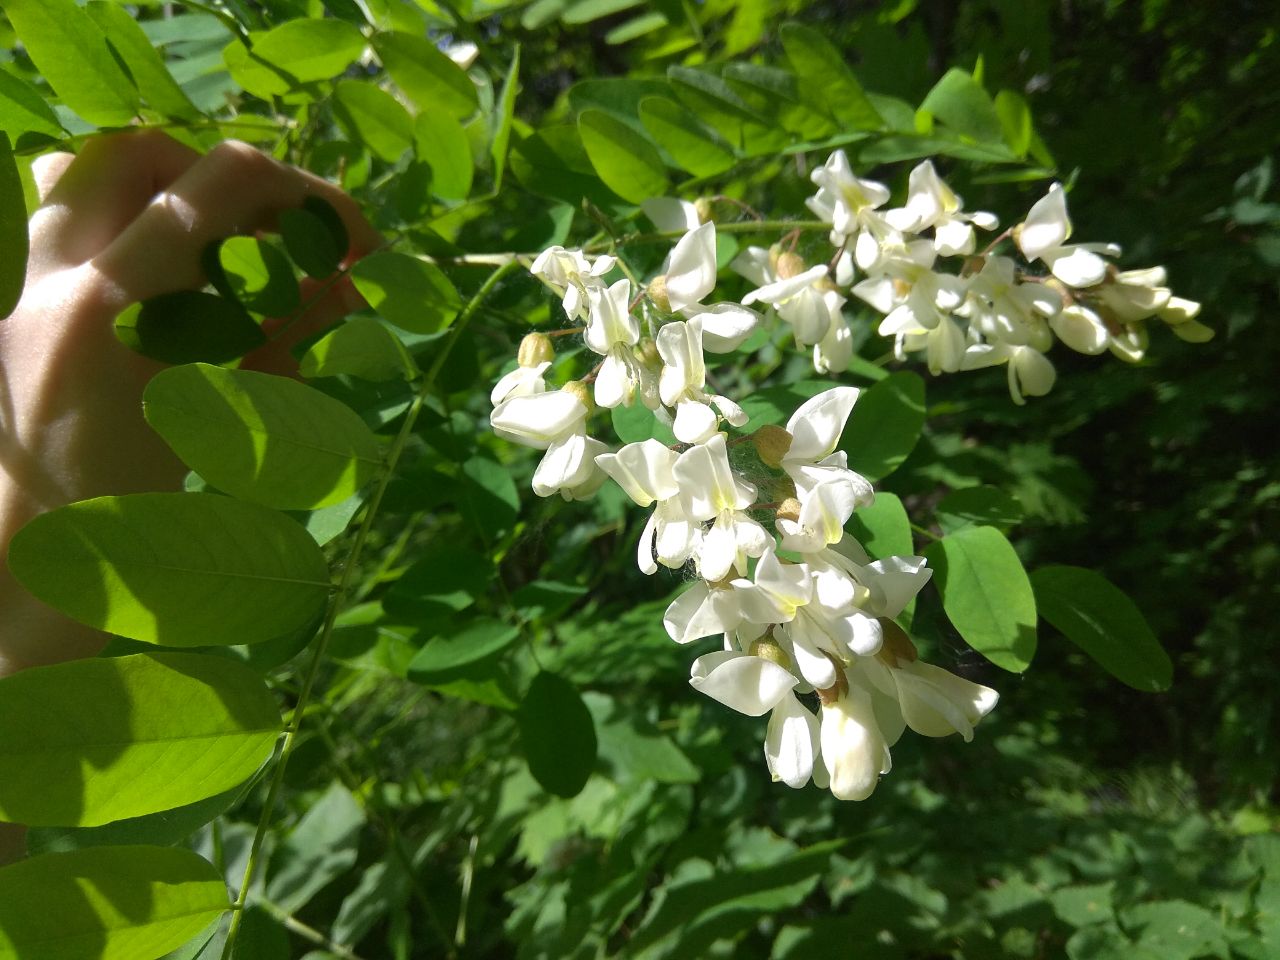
(259, 275)
(1101, 619)
(986, 594)
(883, 528)
(504, 113)
(262, 437)
(428, 77)
(180, 569)
(296, 52)
(959, 101)
(157, 86)
(362, 347)
(627, 163)
(679, 132)
(1015, 120)
(411, 293)
(128, 736)
(72, 54)
(826, 82)
(373, 117)
(885, 425)
(106, 903)
(23, 110)
(443, 145)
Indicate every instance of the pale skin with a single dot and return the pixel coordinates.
(124, 219)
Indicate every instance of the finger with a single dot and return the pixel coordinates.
(235, 189)
(46, 170)
(99, 193)
(340, 299)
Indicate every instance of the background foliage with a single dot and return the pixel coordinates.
(1087, 819)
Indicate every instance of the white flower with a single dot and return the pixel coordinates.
(702, 611)
(747, 684)
(1042, 236)
(682, 380)
(1081, 329)
(931, 203)
(725, 326)
(539, 420)
(791, 742)
(691, 272)
(571, 275)
(854, 749)
(849, 203)
(670, 214)
(1031, 373)
(520, 382)
(1003, 309)
(1133, 295)
(569, 468)
(644, 471)
(709, 491)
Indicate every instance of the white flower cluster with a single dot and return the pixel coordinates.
(990, 310)
(803, 611)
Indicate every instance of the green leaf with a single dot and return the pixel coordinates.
(189, 326)
(978, 506)
(885, 425)
(584, 11)
(321, 848)
(626, 162)
(88, 742)
(106, 903)
(557, 735)
(959, 101)
(1176, 930)
(634, 749)
(883, 528)
(373, 117)
(310, 242)
(775, 405)
(14, 245)
(411, 293)
(552, 163)
(445, 579)
(637, 422)
(1085, 904)
(157, 86)
(23, 110)
(718, 104)
(488, 496)
(1101, 619)
(679, 132)
(72, 54)
(259, 275)
(362, 347)
(1015, 121)
(826, 82)
(180, 569)
(426, 75)
(441, 658)
(986, 594)
(262, 437)
(165, 828)
(443, 145)
(503, 114)
(296, 52)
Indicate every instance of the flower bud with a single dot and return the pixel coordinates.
(772, 443)
(790, 265)
(647, 352)
(535, 348)
(702, 206)
(768, 648)
(789, 509)
(582, 392)
(657, 292)
(897, 647)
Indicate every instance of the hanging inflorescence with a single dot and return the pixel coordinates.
(808, 619)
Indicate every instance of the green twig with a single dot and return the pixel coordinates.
(340, 594)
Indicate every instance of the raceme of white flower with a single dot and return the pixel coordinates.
(808, 621)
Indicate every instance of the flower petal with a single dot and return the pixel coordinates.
(750, 685)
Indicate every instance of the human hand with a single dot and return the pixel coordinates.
(124, 220)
